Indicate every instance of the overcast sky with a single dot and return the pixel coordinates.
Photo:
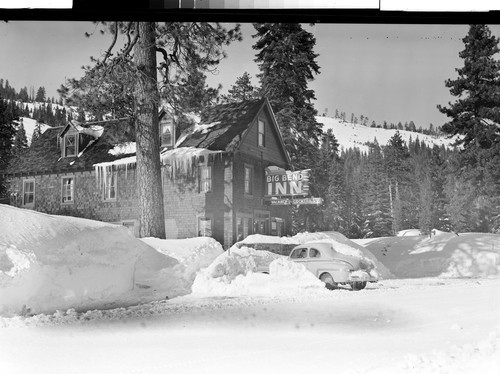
(390, 72)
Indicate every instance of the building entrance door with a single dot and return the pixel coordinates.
(261, 222)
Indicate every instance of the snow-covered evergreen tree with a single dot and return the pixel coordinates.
(475, 118)
(20, 139)
(476, 112)
(287, 64)
(7, 132)
(241, 90)
(396, 157)
(376, 204)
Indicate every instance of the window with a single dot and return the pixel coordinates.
(205, 178)
(70, 145)
(299, 253)
(29, 192)
(204, 226)
(314, 253)
(68, 190)
(167, 133)
(248, 180)
(261, 140)
(110, 186)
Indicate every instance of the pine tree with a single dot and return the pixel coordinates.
(396, 157)
(37, 131)
(476, 113)
(7, 132)
(40, 95)
(376, 202)
(475, 118)
(241, 90)
(125, 82)
(336, 201)
(331, 183)
(287, 64)
(20, 139)
(353, 187)
(23, 95)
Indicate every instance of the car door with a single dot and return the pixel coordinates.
(299, 255)
(314, 260)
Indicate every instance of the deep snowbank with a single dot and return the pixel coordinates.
(442, 254)
(192, 255)
(56, 262)
(234, 273)
(341, 243)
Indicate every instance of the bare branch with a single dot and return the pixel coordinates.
(115, 37)
(131, 45)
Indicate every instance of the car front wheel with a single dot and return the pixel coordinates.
(357, 286)
(327, 279)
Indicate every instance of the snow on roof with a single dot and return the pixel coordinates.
(93, 130)
(117, 163)
(204, 128)
(342, 248)
(123, 149)
(182, 154)
(197, 128)
(178, 157)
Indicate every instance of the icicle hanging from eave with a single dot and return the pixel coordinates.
(101, 169)
(185, 160)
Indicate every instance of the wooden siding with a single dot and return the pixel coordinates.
(272, 152)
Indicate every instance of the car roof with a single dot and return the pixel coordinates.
(315, 244)
(325, 247)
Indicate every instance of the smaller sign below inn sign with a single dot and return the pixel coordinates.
(299, 201)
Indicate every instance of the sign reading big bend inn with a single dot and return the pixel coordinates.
(284, 187)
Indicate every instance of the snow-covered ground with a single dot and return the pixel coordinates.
(186, 306)
(352, 135)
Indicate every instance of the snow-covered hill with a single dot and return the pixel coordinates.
(351, 135)
(29, 127)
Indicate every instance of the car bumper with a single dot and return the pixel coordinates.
(362, 276)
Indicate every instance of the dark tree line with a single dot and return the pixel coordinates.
(47, 113)
(26, 95)
(390, 188)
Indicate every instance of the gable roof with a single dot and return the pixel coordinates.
(44, 155)
(224, 126)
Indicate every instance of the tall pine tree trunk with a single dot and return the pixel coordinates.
(149, 186)
(392, 207)
(398, 211)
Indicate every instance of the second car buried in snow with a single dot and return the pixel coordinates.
(333, 267)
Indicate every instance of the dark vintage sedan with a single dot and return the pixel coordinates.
(333, 267)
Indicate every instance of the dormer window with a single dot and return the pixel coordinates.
(167, 133)
(70, 145)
